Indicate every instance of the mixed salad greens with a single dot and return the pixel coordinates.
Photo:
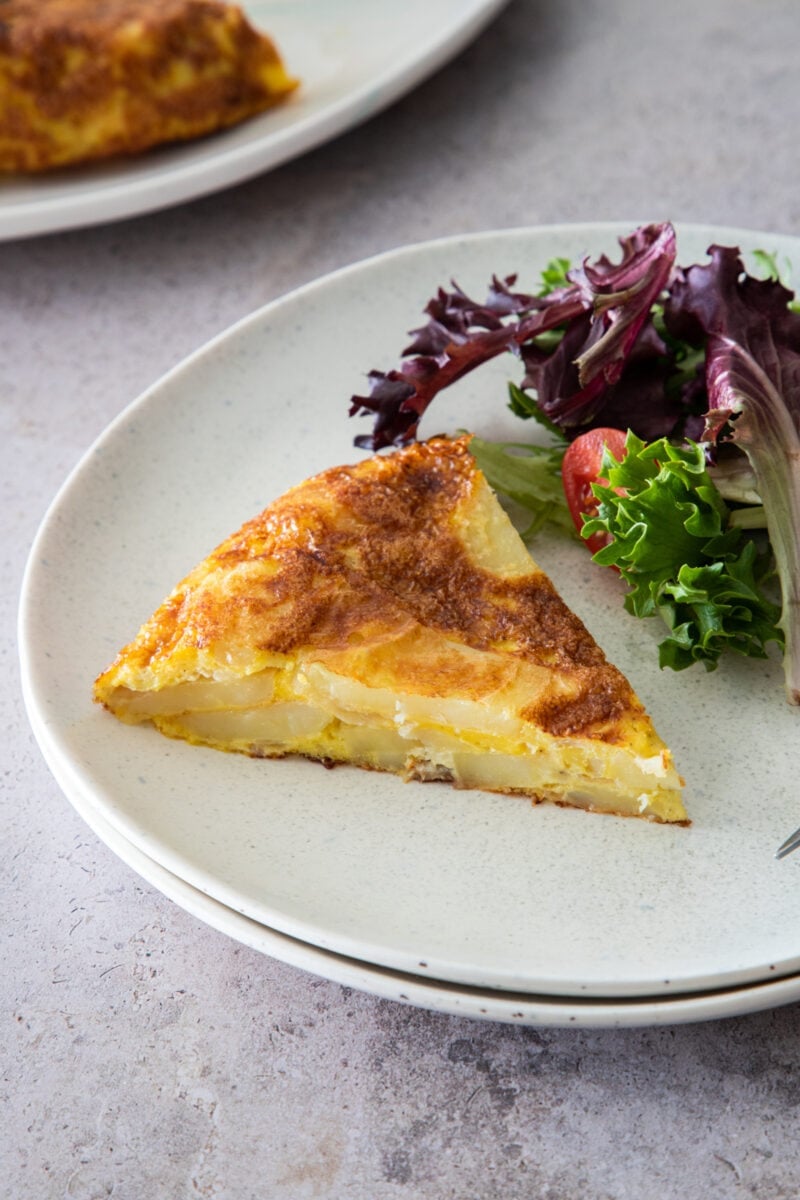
(690, 377)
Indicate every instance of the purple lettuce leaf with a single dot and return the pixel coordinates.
(605, 315)
(460, 335)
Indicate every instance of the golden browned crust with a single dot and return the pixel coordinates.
(88, 79)
(369, 551)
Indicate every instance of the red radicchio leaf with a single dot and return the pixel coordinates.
(718, 299)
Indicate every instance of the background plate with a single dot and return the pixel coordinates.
(470, 888)
(353, 58)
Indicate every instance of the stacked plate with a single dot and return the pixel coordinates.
(465, 902)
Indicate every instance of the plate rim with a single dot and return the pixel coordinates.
(426, 992)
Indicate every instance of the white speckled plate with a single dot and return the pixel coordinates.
(483, 1004)
(353, 58)
(472, 889)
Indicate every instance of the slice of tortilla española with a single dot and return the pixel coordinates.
(82, 80)
(388, 615)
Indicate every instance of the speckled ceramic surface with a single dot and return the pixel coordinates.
(517, 1008)
(353, 58)
(469, 888)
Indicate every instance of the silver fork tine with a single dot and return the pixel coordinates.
(789, 845)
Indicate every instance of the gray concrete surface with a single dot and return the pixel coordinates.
(144, 1055)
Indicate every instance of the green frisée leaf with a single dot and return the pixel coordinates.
(766, 264)
(714, 608)
(554, 275)
(529, 475)
(674, 546)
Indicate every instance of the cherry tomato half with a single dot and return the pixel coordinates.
(581, 468)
